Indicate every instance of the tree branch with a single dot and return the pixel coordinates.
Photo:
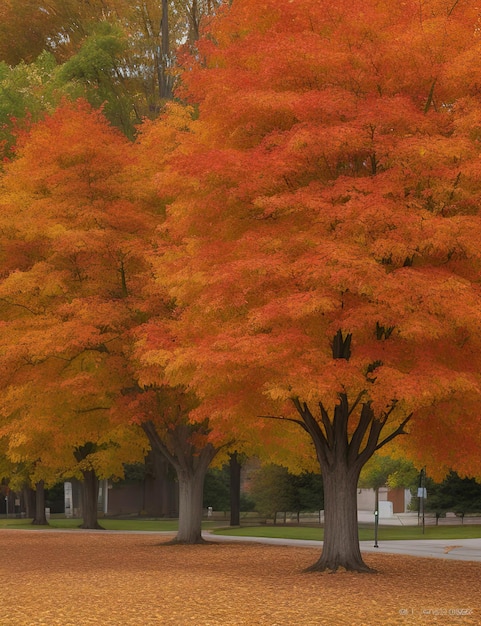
(321, 444)
(156, 442)
(284, 419)
(399, 431)
(326, 422)
(21, 306)
(366, 417)
(341, 417)
(356, 402)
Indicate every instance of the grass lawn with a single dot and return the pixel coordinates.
(108, 524)
(366, 533)
(385, 533)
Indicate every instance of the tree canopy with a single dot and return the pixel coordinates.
(323, 229)
(289, 260)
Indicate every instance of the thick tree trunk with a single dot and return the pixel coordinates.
(191, 489)
(345, 440)
(90, 491)
(190, 463)
(40, 518)
(235, 483)
(341, 540)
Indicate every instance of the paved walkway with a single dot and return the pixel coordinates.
(450, 549)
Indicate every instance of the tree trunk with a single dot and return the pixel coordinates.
(28, 497)
(40, 518)
(341, 539)
(165, 81)
(191, 478)
(235, 482)
(341, 457)
(190, 463)
(191, 489)
(90, 492)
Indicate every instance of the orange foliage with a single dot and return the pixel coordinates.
(73, 280)
(331, 181)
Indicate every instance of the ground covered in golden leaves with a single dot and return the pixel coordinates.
(79, 579)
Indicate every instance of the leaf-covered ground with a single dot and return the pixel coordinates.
(77, 579)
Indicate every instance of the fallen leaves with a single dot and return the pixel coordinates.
(109, 579)
(449, 548)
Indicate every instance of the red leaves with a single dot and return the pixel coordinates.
(329, 183)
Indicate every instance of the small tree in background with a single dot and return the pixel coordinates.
(460, 495)
(272, 491)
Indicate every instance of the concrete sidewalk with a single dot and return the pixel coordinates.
(398, 519)
(450, 549)
(412, 519)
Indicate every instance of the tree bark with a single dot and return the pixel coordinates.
(341, 539)
(90, 491)
(28, 497)
(191, 479)
(191, 464)
(40, 518)
(165, 81)
(235, 483)
(341, 457)
(191, 489)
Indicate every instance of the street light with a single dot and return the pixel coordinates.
(422, 494)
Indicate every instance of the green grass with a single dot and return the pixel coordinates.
(386, 533)
(366, 533)
(108, 524)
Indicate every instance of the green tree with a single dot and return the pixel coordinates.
(308, 493)
(382, 471)
(122, 53)
(460, 495)
(97, 72)
(216, 489)
(272, 491)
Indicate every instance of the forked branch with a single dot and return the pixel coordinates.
(399, 431)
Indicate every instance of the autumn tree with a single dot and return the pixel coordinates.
(188, 446)
(322, 236)
(77, 300)
(71, 266)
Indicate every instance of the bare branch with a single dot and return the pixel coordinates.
(312, 427)
(21, 306)
(284, 419)
(157, 443)
(366, 417)
(399, 431)
(327, 425)
(356, 402)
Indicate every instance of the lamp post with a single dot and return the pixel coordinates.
(422, 495)
(376, 518)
